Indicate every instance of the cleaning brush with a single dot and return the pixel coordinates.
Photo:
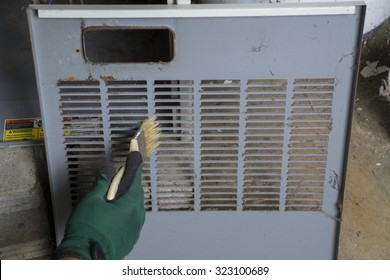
(145, 141)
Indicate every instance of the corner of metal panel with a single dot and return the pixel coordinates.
(362, 9)
(60, 214)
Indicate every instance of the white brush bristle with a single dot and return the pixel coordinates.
(151, 130)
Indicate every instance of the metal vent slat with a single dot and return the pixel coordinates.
(173, 105)
(309, 143)
(265, 124)
(219, 129)
(264, 143)
(127, 100)
(80, 108)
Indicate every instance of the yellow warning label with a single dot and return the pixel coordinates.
(23, 130)
(67, 132)
(40, 134)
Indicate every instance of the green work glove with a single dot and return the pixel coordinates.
(102, 229)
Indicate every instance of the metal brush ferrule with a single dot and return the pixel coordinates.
(137, 134)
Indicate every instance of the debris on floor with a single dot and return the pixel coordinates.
(384, 89)
(372, 69)
(365, 226)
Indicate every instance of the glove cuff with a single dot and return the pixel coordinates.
(80, 239)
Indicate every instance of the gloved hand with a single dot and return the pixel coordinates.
(102, 229)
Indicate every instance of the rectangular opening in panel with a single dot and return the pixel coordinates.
(128, 45)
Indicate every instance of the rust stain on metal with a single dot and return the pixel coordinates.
(107, 78)
(73, 81)
(70, 78)
(82, 23)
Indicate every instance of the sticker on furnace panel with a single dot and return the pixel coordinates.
(23, 130)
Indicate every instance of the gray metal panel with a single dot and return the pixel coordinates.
(18, 91)
(255, 130)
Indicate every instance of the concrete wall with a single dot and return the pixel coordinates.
(25, 231)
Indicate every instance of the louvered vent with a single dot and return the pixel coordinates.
(311, 122)
(127, 108)
(233, 162)
(83, 132)
(264, 137)
(174, 108)
(220, 110)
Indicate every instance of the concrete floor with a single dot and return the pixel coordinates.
(365, 227)
(25, 220)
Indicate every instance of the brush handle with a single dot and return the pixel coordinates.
(125, 176)
(113, 189)
(134, 147)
